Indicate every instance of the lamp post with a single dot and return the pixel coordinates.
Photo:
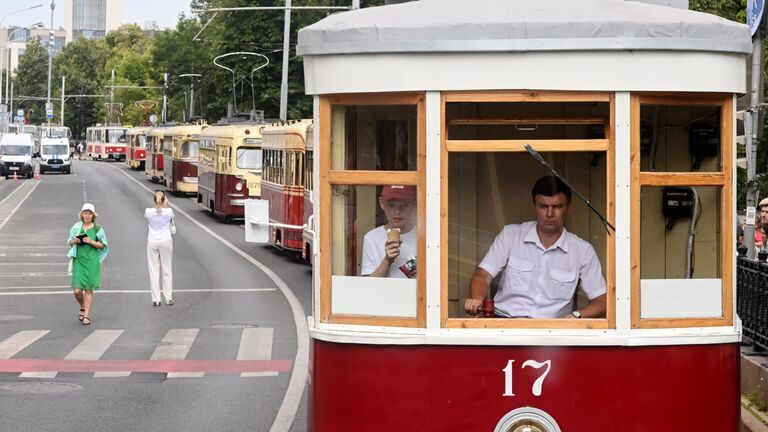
(48, 104)
(8, 69)
(2, 20)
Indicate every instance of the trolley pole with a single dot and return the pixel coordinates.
(751, 121)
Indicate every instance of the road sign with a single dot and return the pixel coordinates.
(755, 9)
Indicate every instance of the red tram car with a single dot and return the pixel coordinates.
(465, 107)
(308, 235)
(136, 147)
(282, 183)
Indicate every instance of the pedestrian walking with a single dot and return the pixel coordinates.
(160, 221)
(88, 250)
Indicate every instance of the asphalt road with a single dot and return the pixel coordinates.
(228, 356)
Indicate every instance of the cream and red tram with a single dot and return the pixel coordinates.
(308, 235)
(181, 157)
(230, 167)
(634, 105)
(153, 165)
(136, 150)
(106, 142)
(282, 182)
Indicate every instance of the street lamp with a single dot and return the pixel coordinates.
(2, 20)
(48, 104)
(8, 54)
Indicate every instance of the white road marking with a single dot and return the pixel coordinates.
(14, 344)
(91, 348)
(108, 291)
(292, 399)
(256, 344)
(15, 209)
(177, 344)
(40, 263)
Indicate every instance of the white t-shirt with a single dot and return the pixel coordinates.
(159, 224)
(373, 251)
(539, 282)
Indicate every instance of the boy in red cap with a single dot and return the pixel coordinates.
(390, 250)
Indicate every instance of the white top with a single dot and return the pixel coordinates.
(539, 282)
(373, 251)
(159, 224)
(440, 26)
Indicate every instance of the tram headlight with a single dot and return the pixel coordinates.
(239, 186)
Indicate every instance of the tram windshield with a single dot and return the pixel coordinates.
(115, 136)
(141, 141)
(249, 158)
(190, 149)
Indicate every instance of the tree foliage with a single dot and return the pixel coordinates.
(31, 81)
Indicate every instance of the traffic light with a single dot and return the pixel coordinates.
(50, 38)
(741, 140)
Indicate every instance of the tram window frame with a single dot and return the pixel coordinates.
(330, 177)
(723, 178)
(607, 144)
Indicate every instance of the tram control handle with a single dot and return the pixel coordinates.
(487, 309)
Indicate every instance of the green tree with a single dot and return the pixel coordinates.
(82, 62)
(31, 81)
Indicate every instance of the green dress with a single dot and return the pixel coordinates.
(86, 268)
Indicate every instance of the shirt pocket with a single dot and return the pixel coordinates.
(562, 284)
(518, 274)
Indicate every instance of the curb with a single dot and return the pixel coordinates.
(752, 420)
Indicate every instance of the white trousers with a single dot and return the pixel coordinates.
(160, 258)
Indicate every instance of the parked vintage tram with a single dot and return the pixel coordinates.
(136, 150)
(632, 104)
(229, 170)
(308, 235)
(106, 142)
(181, 157)
(282, 182)
(153, 165)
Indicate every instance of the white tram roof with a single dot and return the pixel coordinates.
(449, 44)
(522, 25)
(289, 136)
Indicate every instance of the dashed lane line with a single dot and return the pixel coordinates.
(108, 291)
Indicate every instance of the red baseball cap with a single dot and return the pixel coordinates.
(404, 193)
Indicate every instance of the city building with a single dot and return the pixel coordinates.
(91, 18)
(16, 45)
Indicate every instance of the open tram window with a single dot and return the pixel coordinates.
(538, 251)
(679, 210)
(375, 262)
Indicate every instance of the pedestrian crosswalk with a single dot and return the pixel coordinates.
(171, 355)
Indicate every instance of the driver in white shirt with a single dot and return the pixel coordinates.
(542, 262)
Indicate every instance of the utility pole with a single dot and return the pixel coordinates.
(286, 55)
(63, 84)
(756, 21)
(165, 97)
(48, 104)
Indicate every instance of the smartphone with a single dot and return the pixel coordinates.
(81, 236)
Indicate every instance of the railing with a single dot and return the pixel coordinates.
(752, 299)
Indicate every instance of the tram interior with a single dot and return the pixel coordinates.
(488, 188)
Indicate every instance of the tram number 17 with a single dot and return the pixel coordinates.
(536, 389)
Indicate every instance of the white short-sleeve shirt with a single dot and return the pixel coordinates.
(539, 282)
(373, 251)
(159, 224)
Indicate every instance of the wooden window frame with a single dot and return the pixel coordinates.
(607, 145)
(722, 179)
(329, 178)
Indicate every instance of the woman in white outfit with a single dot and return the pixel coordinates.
(160, 248)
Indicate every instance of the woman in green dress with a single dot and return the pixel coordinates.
(89, 248)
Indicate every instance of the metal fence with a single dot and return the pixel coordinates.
(752, 299)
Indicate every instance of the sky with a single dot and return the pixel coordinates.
(164, 12)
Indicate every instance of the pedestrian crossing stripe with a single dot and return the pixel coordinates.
(170, 356)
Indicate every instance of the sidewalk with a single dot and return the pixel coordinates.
(754, 381)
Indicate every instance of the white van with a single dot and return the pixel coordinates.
(54, 155)
(16, 151)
